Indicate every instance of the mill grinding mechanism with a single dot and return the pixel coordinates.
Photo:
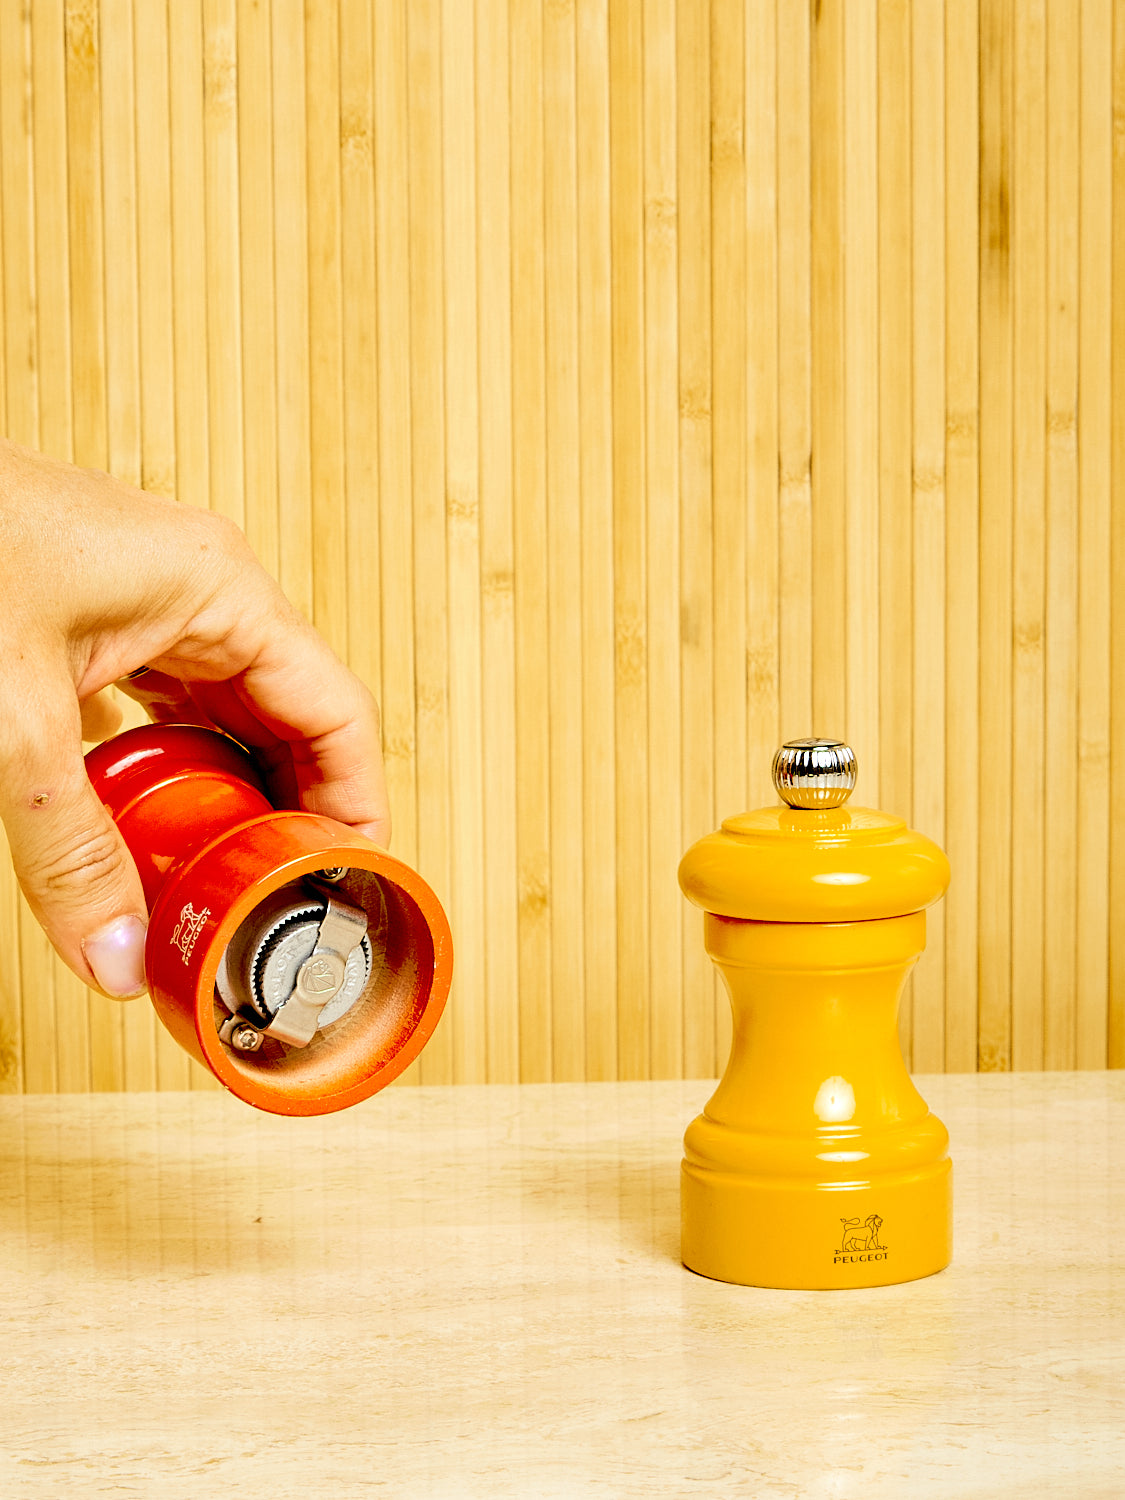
(816, 1163)
(301, 964)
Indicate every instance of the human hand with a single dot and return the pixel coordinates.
(99, 579)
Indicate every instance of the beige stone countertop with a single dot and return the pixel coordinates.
(476, 1292)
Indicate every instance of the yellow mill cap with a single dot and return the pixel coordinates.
(814, 859)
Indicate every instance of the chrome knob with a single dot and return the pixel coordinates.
(814, 773)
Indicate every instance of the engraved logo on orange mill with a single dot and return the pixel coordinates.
(188, 928)
(860, 1241)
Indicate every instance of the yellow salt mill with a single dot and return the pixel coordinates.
(816, 1163)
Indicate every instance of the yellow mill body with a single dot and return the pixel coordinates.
(816, 1163)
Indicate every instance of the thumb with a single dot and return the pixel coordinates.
(71, 862)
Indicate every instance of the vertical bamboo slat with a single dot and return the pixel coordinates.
(395, 585)
(189, 293)
(498, 635)
(462, 503)
(830, 174)
(256, 282)
(1060, 841)
(119, 220)
(861, 395)
(324, 119)
(48, 117)
(290, 257)
(794, 372)
(360, 386)
(1095, 249)
(18, 230)
(996, 41)
(595, 397)
(529, 483)
(564, 541)
(962, 571)
(896, 344)
(929, 518)
(746, 442)
(1115, 1028)
(627, 215)
(621, 388)
(154, 251)
(1029, 286)
(663, 411)
(87, 280)
(220, 210)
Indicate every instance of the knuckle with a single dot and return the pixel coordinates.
(211, 545)
(369, 704)
(220, 531)
(70, 870)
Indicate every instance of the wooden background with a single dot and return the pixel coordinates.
(621, 387)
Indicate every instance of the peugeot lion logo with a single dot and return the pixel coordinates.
(860, 1241)
(188, 928)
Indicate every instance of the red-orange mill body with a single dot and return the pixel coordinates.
(301, 964)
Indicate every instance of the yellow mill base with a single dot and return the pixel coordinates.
(809, 1235)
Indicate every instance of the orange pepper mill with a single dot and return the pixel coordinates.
(816, 1163)
(301, 964)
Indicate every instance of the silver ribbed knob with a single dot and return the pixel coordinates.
(814, 773)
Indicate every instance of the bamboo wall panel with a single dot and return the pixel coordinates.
(621, 386)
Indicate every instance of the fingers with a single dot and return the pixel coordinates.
(298, 703)
(238, 655)
(165, 699)
(313, 726)
(336, 755)
(105, 577)
(72, 864)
